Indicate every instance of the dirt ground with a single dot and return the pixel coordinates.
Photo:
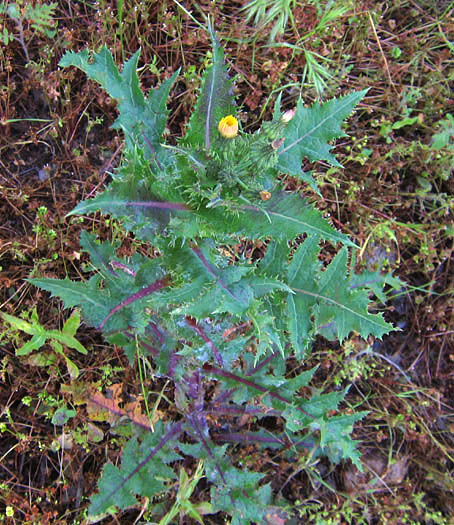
(394, 196)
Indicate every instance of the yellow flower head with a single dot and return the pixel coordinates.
(228, 127)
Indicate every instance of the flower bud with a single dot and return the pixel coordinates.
(276, 144)
(288, 115)
(265, 195)
(228, 127)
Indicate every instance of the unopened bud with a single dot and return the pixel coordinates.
(276, 144)
(265, 195)
(288, 115)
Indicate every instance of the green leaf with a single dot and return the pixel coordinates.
(310, 130)
(73, 369)
(139, 116)
(215, 101)
(94, 301)
(445, 138)
(62, 416)
(246, 504)
(375, 282)
(24, 326)
(302, 273)
(72, 324)
(148, 480)
(72, 293)
(284, 216)
(337, 306)
(291, 386)
(335, 437)
(343, 310)
(101, 255)
(276, 258)
(35, 343)
(139, 210)
(67, 340)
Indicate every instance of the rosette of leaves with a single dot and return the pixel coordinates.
(205, 316)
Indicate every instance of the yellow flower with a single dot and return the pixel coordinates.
(228, 127)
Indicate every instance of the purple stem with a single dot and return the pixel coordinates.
(262, 364)
(158, 204)
(151, 349)
(195, 425)
(212, 271)
(157, 333)
(123, 267)
(157, 285)
(247, 437)
(228, 409)
(225, 395)
(175, 430)
(174, 358)
(199, 331)
(250, 437)
(223, 373)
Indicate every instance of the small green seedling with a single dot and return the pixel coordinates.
(56, 338)
(183, 505)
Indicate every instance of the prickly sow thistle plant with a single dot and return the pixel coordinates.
(206, 314)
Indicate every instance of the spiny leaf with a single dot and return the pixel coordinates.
(335, 438)
(284, 216)
(375, 282)
(139, 210)
(215, 101)
(94, 302)
(144, 292)
(143, 470)
(337, 307)
(276, 258)
(302, 273)
(139, 116)
(346, 308)
(72, 293)
(119, 206)
(310, 130)
(101, 255)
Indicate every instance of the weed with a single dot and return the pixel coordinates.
(183, 505)
(40, 335)
(316, 72)
(194, 202)
(39, 17)
(276, 12)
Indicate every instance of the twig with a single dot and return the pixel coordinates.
(382, 53)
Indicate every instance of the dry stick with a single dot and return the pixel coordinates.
(104, 170)
(382, 53)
